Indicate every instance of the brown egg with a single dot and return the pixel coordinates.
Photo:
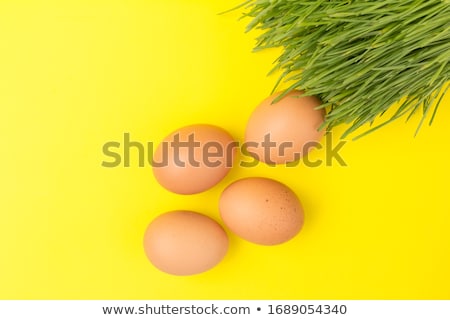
(283, 132)
(185, 242)
(261, 210)
(193, 159)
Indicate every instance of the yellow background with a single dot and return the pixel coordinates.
(77, 74)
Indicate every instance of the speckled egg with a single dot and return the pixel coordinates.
(261, 210)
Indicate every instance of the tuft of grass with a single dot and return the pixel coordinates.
(360, 57)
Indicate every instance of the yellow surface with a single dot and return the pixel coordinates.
(77, 74)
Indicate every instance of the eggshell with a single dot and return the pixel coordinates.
(292, 124)
(189, 170)
(185, 242)
(261, 210)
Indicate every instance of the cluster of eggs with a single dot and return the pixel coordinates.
(257, 209)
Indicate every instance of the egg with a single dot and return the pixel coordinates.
(261, 210)
(194, 158)
(283, 132)
(185, 242)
